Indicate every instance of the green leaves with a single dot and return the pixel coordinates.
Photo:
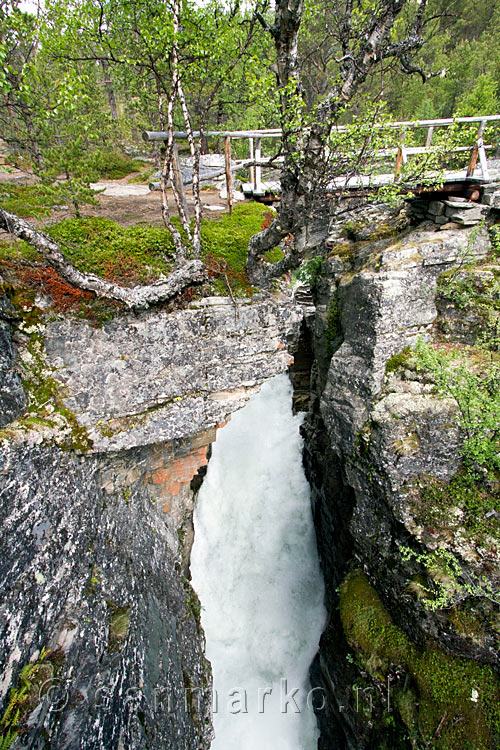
(477, 395)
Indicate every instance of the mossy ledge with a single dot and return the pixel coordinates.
(445, 702)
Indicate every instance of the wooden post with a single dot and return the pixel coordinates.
(258, 169)
(179, 185)
(429, 136)
(478, 144)
(401, 157)
(251, 171)
(229, 177)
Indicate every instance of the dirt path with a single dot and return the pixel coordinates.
(129, 203)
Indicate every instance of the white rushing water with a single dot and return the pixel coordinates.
(255, 568)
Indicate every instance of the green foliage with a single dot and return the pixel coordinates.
(477, 395)
(450, 584)
(20, 699)
(112, 165)
(495, 238)
(310, 271)
(32, 201)
(464, 692)
(135, 254)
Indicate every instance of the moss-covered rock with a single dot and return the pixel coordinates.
(453, 703)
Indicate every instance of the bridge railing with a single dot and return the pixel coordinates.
(256, 160)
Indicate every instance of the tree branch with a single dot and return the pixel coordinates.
(135, 298)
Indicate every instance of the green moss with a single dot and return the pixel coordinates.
(45, 405)
(333, 329)
(398, 361)
(119, 623)
(464, 491)
(136, 254)
(351, 229)
(18, 250)
(274, 255)
(383, 231)
(30, 201)
(345, 250)
(193, 604)
(459, 696)
(225, 244)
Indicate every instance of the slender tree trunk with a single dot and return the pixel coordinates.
(109, 89)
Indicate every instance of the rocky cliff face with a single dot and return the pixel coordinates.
(98, 478)
(410, 652)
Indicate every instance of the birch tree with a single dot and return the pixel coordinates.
(363, 35)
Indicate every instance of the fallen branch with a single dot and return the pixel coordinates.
(138, 297)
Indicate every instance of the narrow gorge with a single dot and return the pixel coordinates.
(107, 433)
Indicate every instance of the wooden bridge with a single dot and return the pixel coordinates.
(476, 171)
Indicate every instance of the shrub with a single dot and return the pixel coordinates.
(477, 395)
(112, 165)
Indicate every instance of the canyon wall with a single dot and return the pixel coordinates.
(101, 462)
(409, 657)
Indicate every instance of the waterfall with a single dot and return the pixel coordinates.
(255, 568)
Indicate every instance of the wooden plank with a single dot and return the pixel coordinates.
(229, 177)
(251, 171)
(258, 168)
(429, 136)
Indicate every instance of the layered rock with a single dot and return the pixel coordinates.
(157, 377)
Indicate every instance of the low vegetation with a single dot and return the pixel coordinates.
(446, 702)
(132, 255)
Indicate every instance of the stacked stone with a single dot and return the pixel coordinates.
(491, 195)
(454, 210)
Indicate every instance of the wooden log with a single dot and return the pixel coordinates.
(135, 298)
(229, 177)
(401, 158)
(473, 194)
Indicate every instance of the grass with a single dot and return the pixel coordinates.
(113, 165)
(31, 201)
